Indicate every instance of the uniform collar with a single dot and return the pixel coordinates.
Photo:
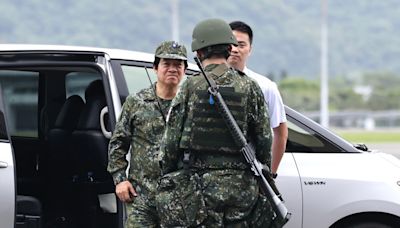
(217, 69)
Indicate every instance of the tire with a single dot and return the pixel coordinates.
(367, 224)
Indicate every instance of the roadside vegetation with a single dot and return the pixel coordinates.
(377, 136)
(375, 91)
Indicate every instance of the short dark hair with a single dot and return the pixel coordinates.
(156, 62)
(242, 27)
(218, 50)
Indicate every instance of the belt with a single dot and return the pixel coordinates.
(214, 159)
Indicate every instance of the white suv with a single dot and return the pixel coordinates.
(59, 105)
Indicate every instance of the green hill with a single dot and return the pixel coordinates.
(363, 35)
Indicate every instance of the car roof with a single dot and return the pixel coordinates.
(112, 52)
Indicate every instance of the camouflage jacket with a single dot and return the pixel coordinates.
(181, 114)
(138, 130)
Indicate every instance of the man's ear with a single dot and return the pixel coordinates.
(155, 64)
(230, 49)
(199, 54)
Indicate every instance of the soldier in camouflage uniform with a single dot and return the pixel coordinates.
(225, 192)
(139, 129)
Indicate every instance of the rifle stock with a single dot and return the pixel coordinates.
(261, 172)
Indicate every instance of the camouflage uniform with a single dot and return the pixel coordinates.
(140, 127)
(230, 191)
(139, 130)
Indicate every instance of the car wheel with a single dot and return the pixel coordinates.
(369, 225)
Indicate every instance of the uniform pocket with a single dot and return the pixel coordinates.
(148, 126)
(179, 200)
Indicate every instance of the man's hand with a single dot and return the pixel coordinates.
(125, 191)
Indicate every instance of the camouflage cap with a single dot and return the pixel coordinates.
(171, 50)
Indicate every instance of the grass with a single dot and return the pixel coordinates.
(379, 136)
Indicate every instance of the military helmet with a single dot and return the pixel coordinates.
(212, 32)
(171, 50)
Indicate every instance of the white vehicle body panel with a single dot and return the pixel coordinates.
(371, 183)
(289, 185)
(7, 186)
(113, 87)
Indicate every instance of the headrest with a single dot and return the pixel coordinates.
(28, 205)
(95, 102)
(95, 88)
(69, 114)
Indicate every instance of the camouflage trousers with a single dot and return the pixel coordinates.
(223, 198)
(141, 213)
(233, 200)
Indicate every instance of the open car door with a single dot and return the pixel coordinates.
(7, 173)
(59, 112)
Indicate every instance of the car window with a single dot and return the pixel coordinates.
(77, 82)
(303, 139)
(21, 87)
(136, 77)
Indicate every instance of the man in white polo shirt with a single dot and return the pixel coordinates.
(276, 110)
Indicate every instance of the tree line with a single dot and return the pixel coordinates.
(363, 35)
(370, 91)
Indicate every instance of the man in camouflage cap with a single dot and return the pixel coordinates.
(196, 139)
(139, 129)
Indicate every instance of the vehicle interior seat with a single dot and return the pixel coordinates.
(29, 210)
(59, 138)
(57, 163)
(91, 146)
(90, 149)
(30, 154)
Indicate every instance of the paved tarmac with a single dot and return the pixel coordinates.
(391, 148)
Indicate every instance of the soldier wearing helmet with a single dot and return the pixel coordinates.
(197, 141)
(139, 130)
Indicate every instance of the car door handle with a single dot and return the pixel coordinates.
(3, 164)
(103, 113)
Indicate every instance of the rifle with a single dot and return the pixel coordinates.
(261, 172)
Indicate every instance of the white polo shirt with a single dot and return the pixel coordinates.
(273, 99)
